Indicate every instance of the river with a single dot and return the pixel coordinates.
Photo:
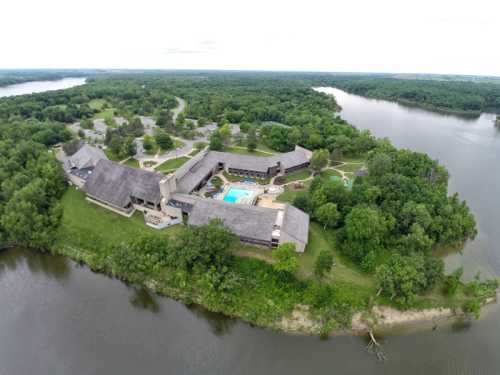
(57, 317)
(40, 86)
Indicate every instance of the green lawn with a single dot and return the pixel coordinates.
(329, 173)
(87, 225)
(132, 162)
(172, 164)
(298, 175)
(106, 114)
(244, 151)
(111, 155)
(97, 104)
(350, 167)
(289, 194)
(343, 270)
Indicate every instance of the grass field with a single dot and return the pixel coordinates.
(106, 114)
(289, 194)
(86, 224)
(350, 167)
(298, 175)
(111, 155)
(132, 162)
(172, 164)
(97, 104)
(343, 270)
(329, 173)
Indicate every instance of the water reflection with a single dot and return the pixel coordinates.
(143, 299)
(220, 324)
(55, 267)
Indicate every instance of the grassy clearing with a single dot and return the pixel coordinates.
(132, 162)
(106, 114)
(194, 152)
(343, 271)
(244, 151)
(290, 193)
(350, 167)
(354, 159)
(97, 104)
(111, 155)
(330, 173)
(172, 164)
(298, 175)
(86, 224)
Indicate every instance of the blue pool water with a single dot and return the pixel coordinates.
(235, 194)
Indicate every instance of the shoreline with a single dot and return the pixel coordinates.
(300, 320)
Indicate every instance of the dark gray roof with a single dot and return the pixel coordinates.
(194, 170)
(115, 183)
(295, 225)
(86, 157)
(250, 221)
(245, 221)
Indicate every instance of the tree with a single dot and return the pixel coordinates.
(286, 259)
(452, 282)
(328, 215)
(303, 201)
(341, 144)
(163, 140)
(324, 263)
(216, 142)
(319, 160)
(148, 143)
(402, 278)
(251, 139)
(87, 124)
(379, 164)
(365, 230)
(203, 247)
(225, 133)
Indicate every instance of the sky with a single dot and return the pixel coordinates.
(438, 36)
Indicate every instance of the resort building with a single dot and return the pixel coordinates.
(164, 199)
(80, 165)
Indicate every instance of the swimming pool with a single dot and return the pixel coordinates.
(235, 194)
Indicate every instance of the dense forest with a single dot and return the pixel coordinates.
(467, 97)
(389, 225)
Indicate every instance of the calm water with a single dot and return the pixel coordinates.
(40, 86)
(59, 318)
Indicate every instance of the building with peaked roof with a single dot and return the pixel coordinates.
(81, 164)
(123, 189)
(194, 173)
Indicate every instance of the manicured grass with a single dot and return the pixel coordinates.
(177, 143)
(111, 155)
(343, 271)
(172, 164)
(87, 225)
(289, 194)
(97, 104)
(132, 162)
(298, 175)
(194, 152)
(354, 158)
(244, 151)
(329, 173)
(350, 167)
(106, 114)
